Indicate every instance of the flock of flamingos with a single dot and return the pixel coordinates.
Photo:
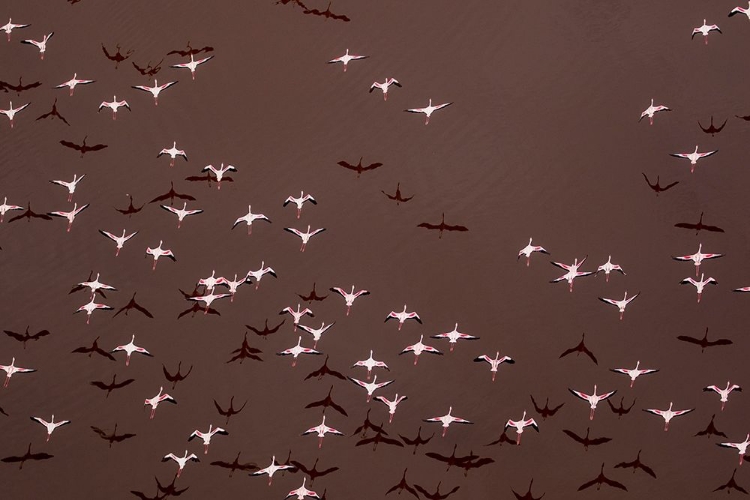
(212, 290)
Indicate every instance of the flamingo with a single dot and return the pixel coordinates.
(208, 299)
(698, 257)
(296, 351)
(181, 213)
(528, 250)
(419, 348)
(219, 172)
(249, 218)
(7, 208)
(384, 86)
(154, 402)
(298, 314)
(302, 492)
(96, 285)
(73, 82)
(370, 387)
(572, 273)
(349, 297)
(494, 363)
(370, 363)
(736, 10)
(71, 186)
(651, 110)
(704, 30)
(173, 153)
(346, 58)
(321, 430)
(300, 201)
(391, 404)
(741, 447)
(723, 393)
(693, 157)
(181, 461)
(7, 28)
(11, 111)
(593, 399)
(520, 424)
(304, 236)
(317, 332)
(258, 275)
(454, 336)
(620, 304)
(428, 110)
(403, 316)
(155, 90)
(206, 436)
(608, 267)
(129, 349)
(667, 414)
(114, 105)
(211, 282)
(120, 240)
(192, 64)
(447, 420)
(159, 252)
(11, 369)
(635, 372)
(51, 425)
(42, 46)
(271, 469)
(90, 308)
(70, 215)
(699, 285)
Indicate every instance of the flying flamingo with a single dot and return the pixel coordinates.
(698, 257)
(258, 275)
(212, 281)
(528, 250)
(7, 208)
(70, 215)
(346, 58)
(11, 111)
(391, 404)
(667, 414)
(120, 240)
(723, 393)
(520, 424)
(90, 308)
(51, 425)
(419, 348)
(249, 219)
(741, 447)
(447, 420)
(173, 153)
(704, 30)
(317, 333)
(42, 46)
(271, 469)
(620, 304)
(699, 285)
(300, 201)
(572, 273)
(160, 252)
(693, 157)
(73, 82)
(304, 236)
(181, 461)
(114, 105)
(95, 285)
(635, 372)
(302, 492)
(384, 86)
(154, 402)
(181, 213)
(296, 351)
(155, 90)
(428, 110)
(192, 64)
(370, 387)
(206, 436)
(10, 27)
(608, 267)
(298, 314)
(219, 172)
(651, 110)
(593, 399)
(736, 10)
(11, 369)
(321, 430)
(370, 363)
(70, 186)
(208, 299)
(349, 297)
(454, 336)
(494, 363)
(403, 316)
(129, 349)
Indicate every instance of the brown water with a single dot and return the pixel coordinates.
(542, 140)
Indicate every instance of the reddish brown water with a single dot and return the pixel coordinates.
(542, 140)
